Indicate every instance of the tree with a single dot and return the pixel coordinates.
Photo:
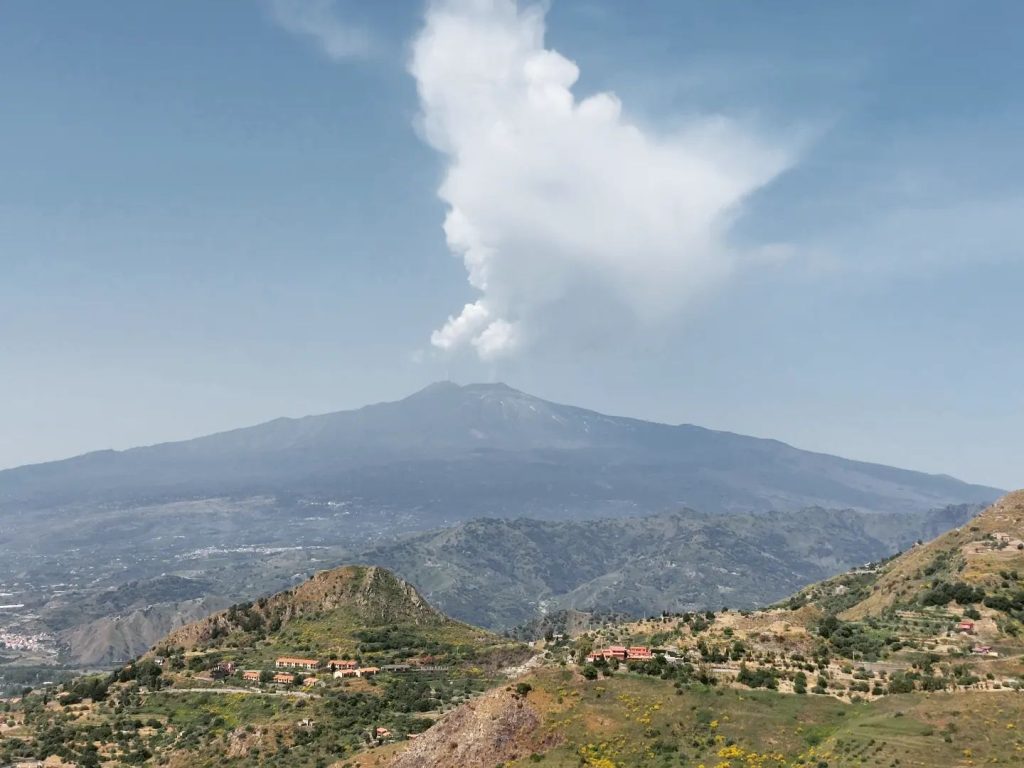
(590, 672)
(828, 625)
(89, 758)
(800, 683)
(583, 650)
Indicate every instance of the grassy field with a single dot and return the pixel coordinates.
(635, 722)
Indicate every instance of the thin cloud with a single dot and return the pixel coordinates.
(320, 21)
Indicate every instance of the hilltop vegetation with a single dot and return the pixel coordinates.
(353, 612)
(360, 596)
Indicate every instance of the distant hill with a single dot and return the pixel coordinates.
(324, 615)
(115, 639)
(503, 573)
(347, 596)
(452, 452)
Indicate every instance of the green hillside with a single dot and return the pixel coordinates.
(636, 721)
(872, 668)
(336, 613)
(188, 702)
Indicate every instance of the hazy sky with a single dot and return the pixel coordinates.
(798, 220)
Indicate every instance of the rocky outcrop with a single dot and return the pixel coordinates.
(495, 728)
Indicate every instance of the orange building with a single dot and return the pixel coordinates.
(290, 662)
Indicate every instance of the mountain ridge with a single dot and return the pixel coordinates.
(487, 436)
(501, 573)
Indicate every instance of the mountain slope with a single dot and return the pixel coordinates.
(113, 639)
(901, 677)
(503, 573)
(635, 721)
(453, 452)
(986, 555)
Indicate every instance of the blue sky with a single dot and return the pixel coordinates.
(207, 220)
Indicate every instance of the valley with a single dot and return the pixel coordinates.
(494, 573)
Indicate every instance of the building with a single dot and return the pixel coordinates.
(965, 626)
(367, 671)
(252, 675)
(342, 664)
(382, 733)
(290, 662)
(622, 653)
(283, 678)
(339, 673)
(611, 652)
(309, 682)
(983, 650)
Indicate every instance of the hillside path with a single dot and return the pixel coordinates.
(521, 669)
(250, 691)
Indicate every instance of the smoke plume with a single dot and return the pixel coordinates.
(547, 192)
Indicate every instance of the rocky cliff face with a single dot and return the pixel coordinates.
(115, 639)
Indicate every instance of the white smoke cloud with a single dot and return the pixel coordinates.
(319, 20)
(547, 192)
